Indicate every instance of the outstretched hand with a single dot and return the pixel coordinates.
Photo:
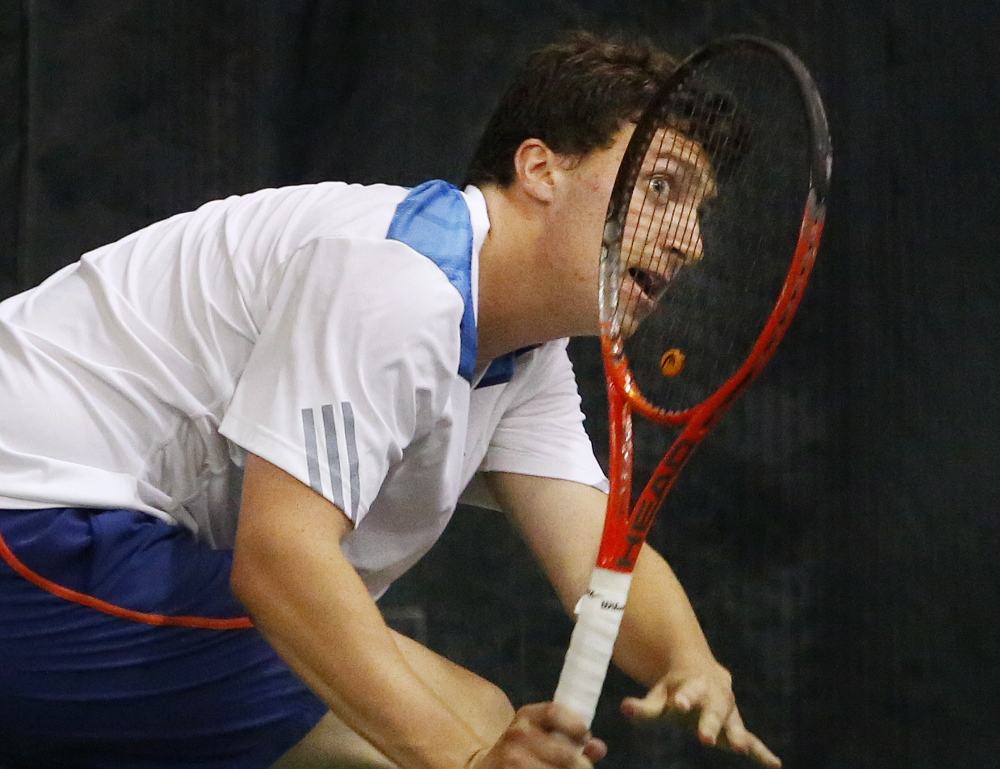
(703, 697)
(543, 736)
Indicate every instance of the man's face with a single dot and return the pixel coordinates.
(662, 232)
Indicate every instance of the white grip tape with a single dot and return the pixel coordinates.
(599, 615)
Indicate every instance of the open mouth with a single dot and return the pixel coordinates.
(652, 284)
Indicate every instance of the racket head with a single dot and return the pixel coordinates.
(712, 227)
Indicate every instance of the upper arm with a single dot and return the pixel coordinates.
(277, 513)
(562, 523)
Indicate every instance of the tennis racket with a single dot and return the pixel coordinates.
(712, 230)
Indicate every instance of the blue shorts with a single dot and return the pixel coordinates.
(121, 645)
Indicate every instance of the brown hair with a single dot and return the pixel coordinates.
(574, 95)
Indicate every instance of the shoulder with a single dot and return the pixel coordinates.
(336, 240)
(374, 298)
(372, 277)
(304, 212)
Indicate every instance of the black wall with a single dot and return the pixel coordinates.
(838, 533)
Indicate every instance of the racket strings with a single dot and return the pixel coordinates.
(710, 226)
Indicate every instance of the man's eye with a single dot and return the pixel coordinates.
(660, 187)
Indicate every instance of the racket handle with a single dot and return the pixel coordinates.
(598, 617)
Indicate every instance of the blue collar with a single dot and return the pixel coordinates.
(433, 219)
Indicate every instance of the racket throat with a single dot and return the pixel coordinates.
(625, 534)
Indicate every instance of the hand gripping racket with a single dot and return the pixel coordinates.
(711, 232)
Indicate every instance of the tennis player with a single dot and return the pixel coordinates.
(225, 435)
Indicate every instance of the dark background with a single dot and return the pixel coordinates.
(838, 534)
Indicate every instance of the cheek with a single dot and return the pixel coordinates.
(588, 209)
(598, 198)
(602, 190)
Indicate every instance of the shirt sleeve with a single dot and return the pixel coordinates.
(541, 431)
(348, 368)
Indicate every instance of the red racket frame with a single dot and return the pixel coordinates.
(626, 527)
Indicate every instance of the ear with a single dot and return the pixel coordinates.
(537, 169)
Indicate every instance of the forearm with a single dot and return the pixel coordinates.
(661, 643)
(660, 631)
(306, 598)
(562, 522)
(346, 654)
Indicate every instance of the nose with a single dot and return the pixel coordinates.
(683, 238)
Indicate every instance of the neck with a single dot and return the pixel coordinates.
(513, 308)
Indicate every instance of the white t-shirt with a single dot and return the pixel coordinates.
(282, 323)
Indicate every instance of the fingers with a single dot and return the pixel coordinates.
(568, 725)
(713, 702)
(694, 695)
(705, 702)
(716, 706)
(559, 719)
(712, 730)
(760, 753)
(655, 704)
(544, 736)
(595, 750)
(721, 724)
